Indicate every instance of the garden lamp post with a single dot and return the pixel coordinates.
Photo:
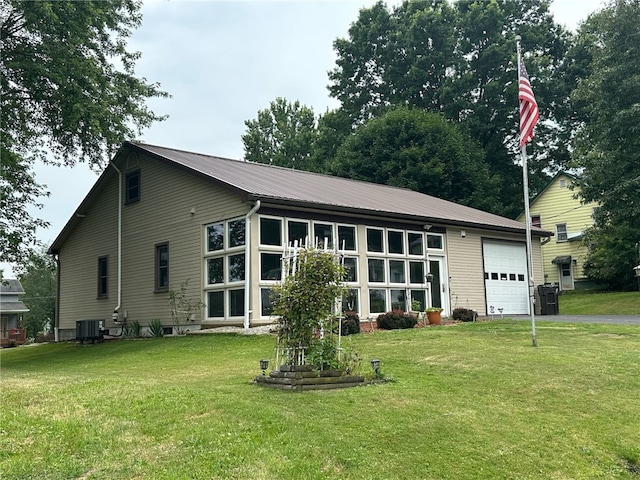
(264, 364)
(375, 364)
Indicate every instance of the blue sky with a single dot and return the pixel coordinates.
(222, 62)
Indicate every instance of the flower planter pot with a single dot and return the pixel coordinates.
(434, 318)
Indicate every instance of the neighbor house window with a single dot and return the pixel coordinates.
(162, 267)
(102, 277)
(561, 232)
(535, 221)
(132, 187)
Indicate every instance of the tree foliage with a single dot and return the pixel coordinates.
(607, 146)
(282, 135)
(420, 150)
(69, 92)
(38, 278)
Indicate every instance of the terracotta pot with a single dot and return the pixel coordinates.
(434, 318)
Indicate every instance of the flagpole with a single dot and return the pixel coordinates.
(527, 216)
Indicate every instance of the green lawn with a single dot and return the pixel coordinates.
(586, 302)
(469, 401)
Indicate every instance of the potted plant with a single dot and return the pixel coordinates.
(433, 315)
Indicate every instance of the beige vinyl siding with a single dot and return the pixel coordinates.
(164, 214)
(466, 268)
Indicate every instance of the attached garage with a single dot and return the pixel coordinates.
(505, 277)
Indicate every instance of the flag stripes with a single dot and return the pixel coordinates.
(528, 107)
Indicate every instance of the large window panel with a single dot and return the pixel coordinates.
(376, 270)
(395, 241)
(377, 300)
(375, 241)
(322, 231)
(236, 268)
(270, 231)
(297, 231)
(421, 297)
(266, 302)
(270, 266)
(416, 246)
(236, 233)
(416, 272)
(236, 303)
(215, 237)
(215, 304)
(399, 300)
(215, 270)
(346, 237)
(397, 271)
(351, 300)
(351, 269)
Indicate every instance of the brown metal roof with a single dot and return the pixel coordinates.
(296, 187)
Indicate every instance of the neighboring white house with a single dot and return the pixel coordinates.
(158, 217)
(11, 310)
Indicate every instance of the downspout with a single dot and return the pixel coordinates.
(56, 320)
(247, 261)
(116, 311)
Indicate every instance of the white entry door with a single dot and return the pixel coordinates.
(505, 277)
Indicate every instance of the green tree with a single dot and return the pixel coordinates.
(607, 146)
(422, 151)
(68, 94)
(459, 59)
(38, 278)
(282, 135)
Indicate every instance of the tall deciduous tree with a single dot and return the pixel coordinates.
(69, 94)
(38, 278)
(282, 135)
(420, 150)
(607, 146)
(459, 59)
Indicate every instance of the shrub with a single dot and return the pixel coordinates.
(350, 324)
(463, 314)
(155, 327)
(396, 319)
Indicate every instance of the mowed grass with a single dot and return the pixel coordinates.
(589, 302)
(469, 401)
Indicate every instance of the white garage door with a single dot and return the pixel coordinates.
(505, 277)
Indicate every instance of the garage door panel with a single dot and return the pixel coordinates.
(505, 266)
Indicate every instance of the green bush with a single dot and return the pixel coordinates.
(350, 324)
(155, 327)
(396, 319)
(463, 314)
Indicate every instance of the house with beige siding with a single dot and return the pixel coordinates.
(557, 208)
(159, 218)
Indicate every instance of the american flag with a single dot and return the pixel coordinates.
(528, 107)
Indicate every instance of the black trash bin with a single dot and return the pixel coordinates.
(548, 299)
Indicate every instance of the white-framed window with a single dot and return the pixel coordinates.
(297, 231)
(397, 271)
(435, 241)
(347, 238)
(323, 234)
(395, 242)
(561, 232)
(376, 267)
(351, 300)
(375, 240)
(224, 268)
(351, 269)
(416, 243)
(377, 300)
(271, 231)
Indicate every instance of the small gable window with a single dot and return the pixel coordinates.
(132, 187)
(561, 232)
